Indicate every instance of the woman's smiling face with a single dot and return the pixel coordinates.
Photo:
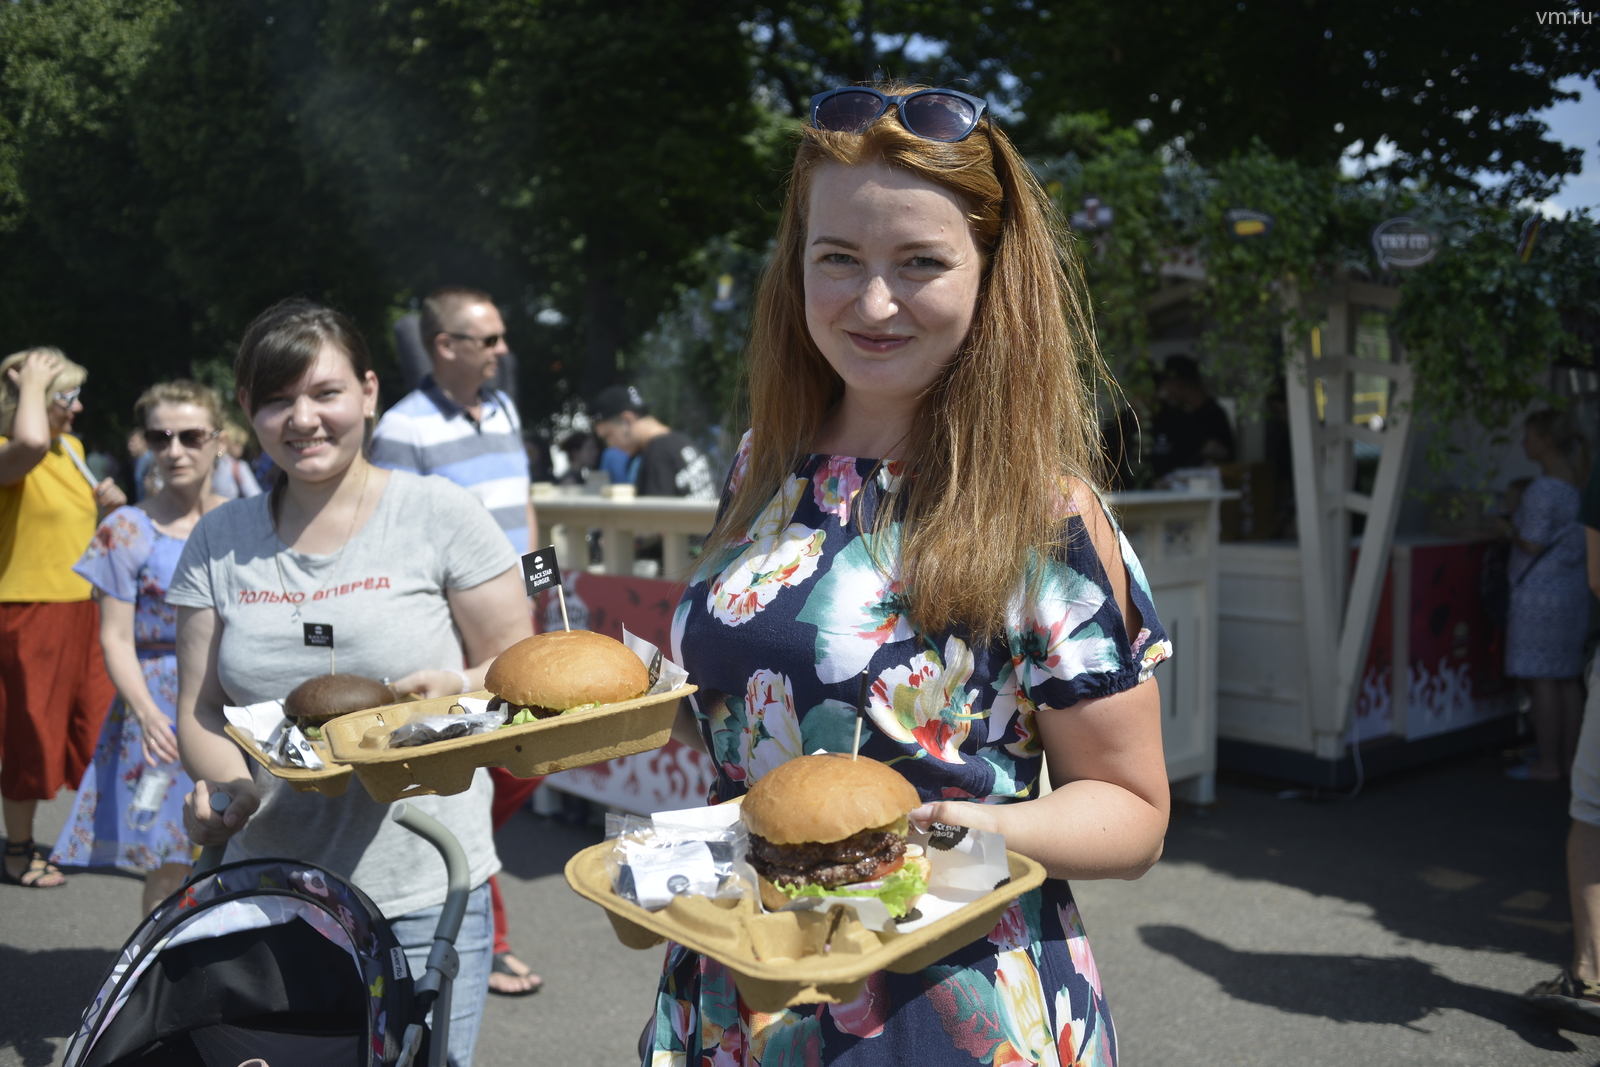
(314, 429)
(892, 274)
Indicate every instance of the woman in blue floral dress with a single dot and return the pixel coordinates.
(130, 564)
(913, 502)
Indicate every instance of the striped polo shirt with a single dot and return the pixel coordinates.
(428, 433)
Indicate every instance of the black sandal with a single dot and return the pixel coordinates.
(500, 966)
(39, 866)
(1567, 995)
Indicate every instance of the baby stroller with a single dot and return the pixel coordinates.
(278, 961)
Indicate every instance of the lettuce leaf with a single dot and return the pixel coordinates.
(896, 891)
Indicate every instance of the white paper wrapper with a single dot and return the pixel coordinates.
(274, 732)
(665, 674)
(715, 817)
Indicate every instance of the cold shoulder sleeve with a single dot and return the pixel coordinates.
(1068, 640)
(119, 549)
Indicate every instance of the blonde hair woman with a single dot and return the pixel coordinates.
(55, 685)
(130, 564)
(912, 510)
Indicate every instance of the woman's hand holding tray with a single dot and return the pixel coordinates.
(778, 958)
(544, 746)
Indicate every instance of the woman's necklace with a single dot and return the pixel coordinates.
(334, 570)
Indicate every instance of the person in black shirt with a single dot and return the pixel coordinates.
(669, 462)
(1190, 429)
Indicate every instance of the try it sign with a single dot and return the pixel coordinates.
(1402, 243)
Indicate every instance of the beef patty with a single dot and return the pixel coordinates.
(855, 859)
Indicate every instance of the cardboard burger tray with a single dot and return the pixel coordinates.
(776, 957)
(331, 781)
(544, 746)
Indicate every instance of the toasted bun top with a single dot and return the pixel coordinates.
(826, 798)
(566, 668)
(328, 695)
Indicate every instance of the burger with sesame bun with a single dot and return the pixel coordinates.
(834, 826)
(551, 674)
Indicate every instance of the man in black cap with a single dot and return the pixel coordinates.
(1191, 429)
(669, 463)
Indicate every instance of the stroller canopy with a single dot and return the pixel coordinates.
(265, 958)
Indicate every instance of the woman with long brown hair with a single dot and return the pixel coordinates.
(914, 502)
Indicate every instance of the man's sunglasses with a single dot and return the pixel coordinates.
(932, 114)
(487, 342)
(161, 440)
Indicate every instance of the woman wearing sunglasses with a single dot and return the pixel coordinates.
(130, 564)
(914, 503)
(53, 685)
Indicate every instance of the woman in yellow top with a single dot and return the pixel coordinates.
(54, 691)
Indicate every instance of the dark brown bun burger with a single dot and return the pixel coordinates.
(829, 825)
(316, 700)
(547, 674)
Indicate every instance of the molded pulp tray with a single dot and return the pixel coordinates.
(544, 746)
(331, 781)
(776, 957)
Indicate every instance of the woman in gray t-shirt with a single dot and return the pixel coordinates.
(419, 585)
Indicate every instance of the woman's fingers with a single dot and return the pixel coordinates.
(925, 816)
(954, 813)
(160, 741)
(109, 495)
(427, 684)
(209, 826)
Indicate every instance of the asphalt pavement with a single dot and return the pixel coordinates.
(1397, 927)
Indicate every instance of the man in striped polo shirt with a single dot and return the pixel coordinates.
(455, 423)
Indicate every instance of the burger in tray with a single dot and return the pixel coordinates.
(551, 674)
(327, 696)
(834, 826)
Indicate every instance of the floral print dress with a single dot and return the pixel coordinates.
(131, 560)
(776, 634)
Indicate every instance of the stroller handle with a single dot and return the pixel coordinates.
(457, 870)
(211, 855)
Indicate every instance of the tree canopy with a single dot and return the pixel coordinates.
(168, 170)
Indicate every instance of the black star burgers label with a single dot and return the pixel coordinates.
(319, 635)
(944, 838)
(540, 570)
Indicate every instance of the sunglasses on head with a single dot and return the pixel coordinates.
(66, 399)
(932, 114)
(161, 440)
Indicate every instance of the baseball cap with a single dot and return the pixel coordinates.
(614, 400)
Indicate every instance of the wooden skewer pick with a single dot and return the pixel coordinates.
(332, 663)
(562, 593)
(861, 712)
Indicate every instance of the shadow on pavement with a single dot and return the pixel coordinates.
(1350, 989)
(533, 846)
(43, 994)
(1453, 854)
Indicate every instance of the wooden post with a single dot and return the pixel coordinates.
(1339, 612)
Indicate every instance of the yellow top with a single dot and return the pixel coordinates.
(46, 522)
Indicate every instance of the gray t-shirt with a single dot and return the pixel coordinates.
(385, 598)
